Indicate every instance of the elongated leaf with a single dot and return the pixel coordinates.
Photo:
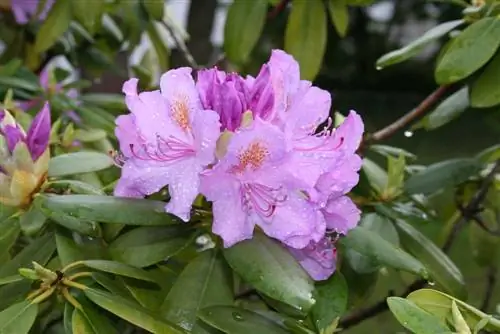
(67, 318)
(374, 246)
(97, 322)
(235, 320)
(54, 26)
(208, 281)
(80, 325)
(10, 279)
(469, 51)
(33, 220)
(305, 36)
(106, 101)
(81, 226)
(78, 187)
(392, 151)
(131, 312)
(67, 250)
(154, 8)
(440, 175)
(148, 245)
(119, 269)
(414, 318)
(452, 107)
(13, 293)
(13, 82)
(272, 270)
(78, 163)
(244, 24)
(484, 91)
(331, 303)
(110, 209)
(339, 14)
(418, 45)
(159, 45)
(9, 231)
(18, 318)
(440, 267)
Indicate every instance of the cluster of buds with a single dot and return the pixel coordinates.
(24, 157)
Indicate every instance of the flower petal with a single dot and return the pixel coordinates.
(341, 214)
(139, 179)
(349, 134)
(39, 133)
(319, 260)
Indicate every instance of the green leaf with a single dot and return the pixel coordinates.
(484, 91)
(488, 155)
(67, 250)
(89, 136)
(76, 186)
(144, 246)
(305, 36)
(40, 251)
(13, 293)
(387, 151)
(469, 51)
(154, 8)
(441, 269)
(458, 320)
(414, 318)
(18, 318)
(272, 270)
(374, 246)
(208, 280)
(131, 312)
(88, 13)
(244, 25)
(13, 82)
(110, 209)
(98, 322)
(97, 118)
(9, 231)
(106, 101)
(235, 320)
(452, 107)
(54, 26)
(331, 303)
(395, 176)
(359, 2)
(67, 318)
(375, 174)
(33, 220)
(440, 175)
(10, 279)
(483, 245)
(418, 45)
(339, 14)
(159, 45)
(118, 268)
(80, 325)
(78, 163)
(81, 226)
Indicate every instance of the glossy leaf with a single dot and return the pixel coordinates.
(119, 269)
(489, 154)
(80, 325)
(109, 209)
(374, 246)
(414, 318)
(244, 25)
(377, 177)
(18, 318)
(441, 269)
(305, 36)
(208, 280)
(339, 13)
(97, 321)
(54, 26)
(484, 91)
(331, 302)
(84, 227)
(440, 175)
(272, 270)
(452, 107)
(235, 320)
(418, 45)
(144, 246)
(159, 45)
(9, 231)
(78, 187)
(32, 221)
(131, 312)
(469, 51)
(395, 176)
(67, 250)
(78, 163)
(88, 14)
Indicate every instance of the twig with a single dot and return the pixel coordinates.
(491, 280)
(467, 214)
(408, 118)
(181, 45)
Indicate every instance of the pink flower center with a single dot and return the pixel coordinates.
(260, 198)
(253, 157)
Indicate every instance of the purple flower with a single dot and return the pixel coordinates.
(168, 139)
(249, 187)
(227, 94)
(25, 9)
(318, 259)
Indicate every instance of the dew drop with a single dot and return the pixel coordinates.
(408, 133)
(237, 316)
(431, 283)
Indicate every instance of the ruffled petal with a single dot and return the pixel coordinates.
(318, 259)
(341, 214)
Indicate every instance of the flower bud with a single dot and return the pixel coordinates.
(24, 158)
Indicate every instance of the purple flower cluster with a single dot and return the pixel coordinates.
(24, 10)
(252, 147)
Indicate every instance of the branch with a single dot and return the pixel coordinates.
(491, 280)
(408, 118)
(181, 45)
(466, 214)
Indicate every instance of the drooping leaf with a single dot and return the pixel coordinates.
(339, 13)
(452, 107)
(97, 321)
(440, 175)
(229, 319)
(78, 163)
(80, 325)
(88, 14)
(144, 246)
(18, 318)
(331, 302)
(469, 51)
(109, 209)
(272, 270)
(244, 24)
(418, 45)
(441, 269)
(119, 269)
(374, 246)
(208, 280)
(484, 91)
(414, 318)
(131, 312)
(159, 45)
(305, 36)
(54, 26)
